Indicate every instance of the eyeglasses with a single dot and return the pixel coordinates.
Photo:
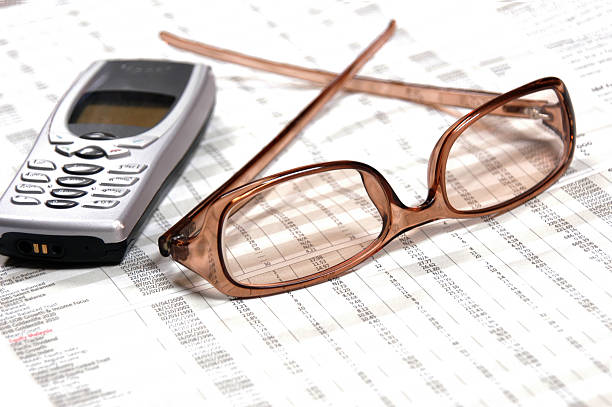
(307, 225)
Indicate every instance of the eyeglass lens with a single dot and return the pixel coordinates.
(498, 158)
(299, 227)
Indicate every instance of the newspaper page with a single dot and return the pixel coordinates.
(509, 310)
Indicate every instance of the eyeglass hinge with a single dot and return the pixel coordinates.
(535, 113)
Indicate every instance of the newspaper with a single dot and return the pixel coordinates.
(515, 309)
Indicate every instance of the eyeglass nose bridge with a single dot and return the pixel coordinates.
(404, 218)
(397, 217)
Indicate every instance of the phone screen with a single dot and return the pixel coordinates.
(127, 108)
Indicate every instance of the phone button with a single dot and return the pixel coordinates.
(98, 136)
(67, 193)
(60, 204)
(102, 204)
(44, 165)
(90, 153)
(82, 169)
(111, 192)
(29, 189)
(119, 181)
(129, 168)
(35, 177)
(137, 142)
(74, 182)
(66, 150)
(117, 152)
(60, 139)
(24, 200)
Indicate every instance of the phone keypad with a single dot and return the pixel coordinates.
(113, 187)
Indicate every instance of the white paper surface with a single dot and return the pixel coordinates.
(512, 310)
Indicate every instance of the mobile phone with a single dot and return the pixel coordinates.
(113, 144)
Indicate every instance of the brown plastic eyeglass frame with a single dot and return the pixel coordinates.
(196, 240)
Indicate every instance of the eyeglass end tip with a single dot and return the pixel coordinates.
(164, 35)
(163, 246)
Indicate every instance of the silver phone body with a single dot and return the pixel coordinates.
(156, 152)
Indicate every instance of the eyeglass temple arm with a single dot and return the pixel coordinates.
(274, 147)
(424, 94)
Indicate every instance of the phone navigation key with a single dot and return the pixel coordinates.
(90, 152)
